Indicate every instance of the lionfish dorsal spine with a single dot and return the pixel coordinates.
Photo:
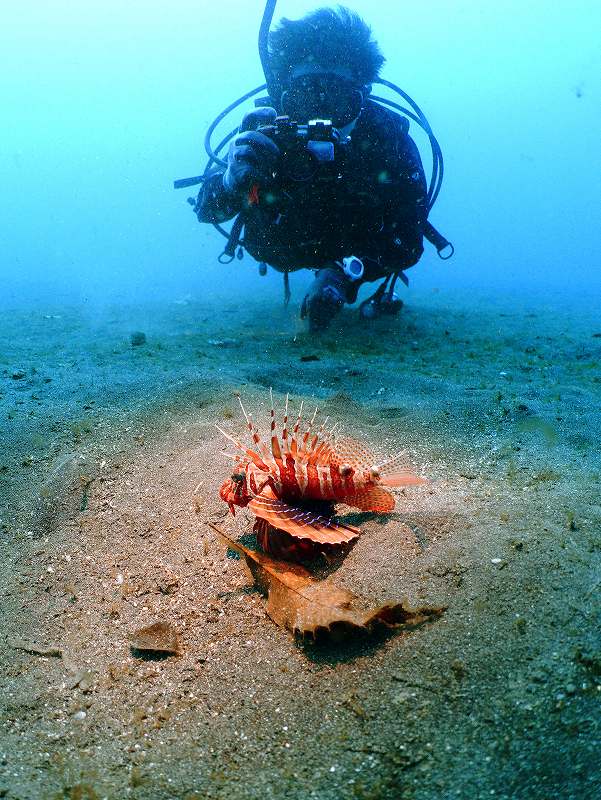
(275, 445)
(234, 456)
(318, 439)
(304, 448)
(285, 442)
(254, 433)
(294, 439)
(329, 443)
(254, 457)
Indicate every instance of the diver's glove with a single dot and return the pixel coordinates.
(252, 155)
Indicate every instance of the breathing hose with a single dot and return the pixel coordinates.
(264, 41)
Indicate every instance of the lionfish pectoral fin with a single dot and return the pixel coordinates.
(404, 478)
(372, 499)
(300, 523)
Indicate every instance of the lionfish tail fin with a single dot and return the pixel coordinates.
(397, 472)
(405, 478)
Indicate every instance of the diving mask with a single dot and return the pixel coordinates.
(322, 95)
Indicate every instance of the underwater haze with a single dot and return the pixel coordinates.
(444, 642)
(106, 103)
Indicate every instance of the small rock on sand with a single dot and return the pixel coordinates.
(161, 637)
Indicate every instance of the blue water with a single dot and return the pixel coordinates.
(104, 105)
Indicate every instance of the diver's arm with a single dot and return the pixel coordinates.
(215, 204)
(251, 160)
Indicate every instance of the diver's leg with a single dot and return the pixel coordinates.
(388, 303)
(330, 290)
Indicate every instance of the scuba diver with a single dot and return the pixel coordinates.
(321, 176)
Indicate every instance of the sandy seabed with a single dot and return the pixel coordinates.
(110, 466)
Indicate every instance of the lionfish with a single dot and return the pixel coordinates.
(291, 484)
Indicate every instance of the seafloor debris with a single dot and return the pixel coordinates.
(225, 343)
(304, 605)
(50, 651)
(83, 678)
(66, 474)
(160, 637)
(137, 338)
(538, 425)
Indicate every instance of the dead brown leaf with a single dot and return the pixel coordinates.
(304, 605)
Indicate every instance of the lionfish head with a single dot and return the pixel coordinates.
(233, 490)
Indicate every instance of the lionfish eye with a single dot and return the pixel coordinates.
(238, 477)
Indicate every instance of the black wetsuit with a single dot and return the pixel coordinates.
(373, 205)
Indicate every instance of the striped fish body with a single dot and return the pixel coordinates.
(294, 482)
(281, 483)
(297, 478)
